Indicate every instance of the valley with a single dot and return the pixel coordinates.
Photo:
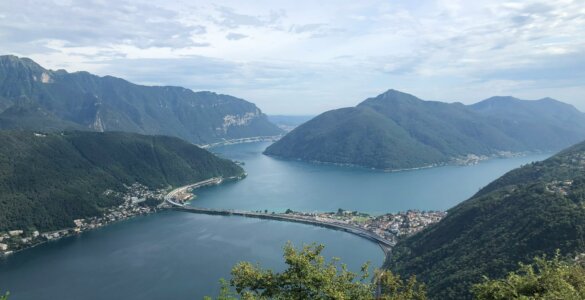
(180, 245)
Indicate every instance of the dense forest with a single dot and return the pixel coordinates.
(528, 212)
(48, 180)
(396, 130)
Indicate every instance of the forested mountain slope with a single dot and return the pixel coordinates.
(528, 212)
(47, 181)
(396, 130)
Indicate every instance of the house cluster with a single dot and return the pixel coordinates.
(136, 200)
(392, 226)
(14, 237)
(388, 226)
(559, 187)
(470, 160)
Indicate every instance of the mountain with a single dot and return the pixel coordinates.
(288, 123)
(530, 211)
(396, 130)
(35, 98)
(48, 180)
(529, 121)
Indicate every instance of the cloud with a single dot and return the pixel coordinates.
(303, 57)
(232, 36)
(95, 23)
(229, 18)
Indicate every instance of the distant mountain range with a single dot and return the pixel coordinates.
(49, 180)
(396, 130)
(528, 212)
(288, 122)
(35, 98)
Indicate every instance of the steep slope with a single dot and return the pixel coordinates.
(410, 132)
(530, 211)
(113, 104)
(47, 181)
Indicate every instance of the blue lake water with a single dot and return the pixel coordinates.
(276, 184)
(174, 255)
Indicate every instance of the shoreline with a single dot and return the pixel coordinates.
(456, 161)
(253, 139)
(105, 219)
(312, 219)
(385, 245)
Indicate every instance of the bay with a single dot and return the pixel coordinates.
(176, 255)
(170, 255)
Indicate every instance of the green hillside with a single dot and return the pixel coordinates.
(63, 100)
(364, 138)
(46, 181)
(396, 130)
(528, 212)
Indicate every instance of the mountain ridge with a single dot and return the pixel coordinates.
(444, 132)
(109, 103)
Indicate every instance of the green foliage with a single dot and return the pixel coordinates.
(543, 279)
(5, 297)
(84, 101)
(528, 212)
(48, 181)
(309, 276)
(391, 287)
(396, 130)
(225, 292)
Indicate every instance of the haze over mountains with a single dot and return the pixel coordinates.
(396, 130)
(528, 212)
(35, 98)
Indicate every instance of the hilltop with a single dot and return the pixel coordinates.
(396, 130)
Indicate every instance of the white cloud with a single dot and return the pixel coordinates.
(304, 56)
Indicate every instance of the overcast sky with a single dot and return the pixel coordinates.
(305, 57)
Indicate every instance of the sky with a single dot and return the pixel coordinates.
(301, 57)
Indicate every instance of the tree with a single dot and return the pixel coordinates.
(5, 297)
(543, 279)
(389, 286)
(309, 276)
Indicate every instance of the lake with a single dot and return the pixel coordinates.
(175, 255)
(277, 185)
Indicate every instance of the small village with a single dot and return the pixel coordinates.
(137, 200)
(140, 200)
(390, 227)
